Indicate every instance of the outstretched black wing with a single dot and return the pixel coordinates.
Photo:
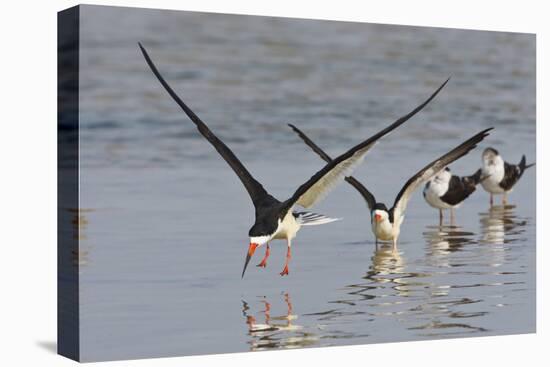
(256, 191)
(367, 195)
(320, 184)
(432, 169)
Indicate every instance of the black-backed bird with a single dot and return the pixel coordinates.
(448, 191)
(386, 223)
(500, 177)
(276, 219)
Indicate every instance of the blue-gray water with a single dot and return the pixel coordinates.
(164, 230)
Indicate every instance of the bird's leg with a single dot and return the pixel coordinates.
(264, 260)
(376, 243)
(396, 225)
(288, 303)
(452, 216)
(491, 199)
(440, 217)
(289, 309)
(288, 256)
(251, 321)
(394, 247)
(504, 199)
(267, 314)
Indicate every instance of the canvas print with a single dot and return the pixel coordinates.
(232, 183)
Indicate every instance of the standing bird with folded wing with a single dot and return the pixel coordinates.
(277, 219)
(386, 223)
(448, 191)
(501, 176)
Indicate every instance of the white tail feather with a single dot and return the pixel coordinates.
(313, 219)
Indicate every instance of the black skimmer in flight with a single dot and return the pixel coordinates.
(276, 219)
(448, 191)
(500, 177)
(386, 223)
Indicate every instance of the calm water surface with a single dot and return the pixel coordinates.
(164, 230)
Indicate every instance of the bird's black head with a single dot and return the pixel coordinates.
(263, 228)
(261, 232)
(380, 206)
(380, 213)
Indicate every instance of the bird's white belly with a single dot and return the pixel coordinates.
(288, 227)
(491, 183)
(432, 195)
(383, 230)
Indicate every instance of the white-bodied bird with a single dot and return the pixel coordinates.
(448, 191)
(500, 176)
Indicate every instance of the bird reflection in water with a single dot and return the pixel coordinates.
(443, 240)
(385, 261)
(386, 283)
(276, 331)
(391, 284)
(436, 313)
(500, 225)
(500, 229)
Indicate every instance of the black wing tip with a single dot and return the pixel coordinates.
(440, 87)
(306, 139)
(474, 140)
(143, 50)
(481, 135)
(467, 146)
(486, 131)
(149, 61)
(293, 127)
(472, 143)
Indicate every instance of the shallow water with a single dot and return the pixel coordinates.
(165, 221)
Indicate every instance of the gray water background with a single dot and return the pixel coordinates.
(164, 222)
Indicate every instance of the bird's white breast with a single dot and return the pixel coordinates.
(288, 227)
(495, 173)
(383, 229)
(434, 191)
